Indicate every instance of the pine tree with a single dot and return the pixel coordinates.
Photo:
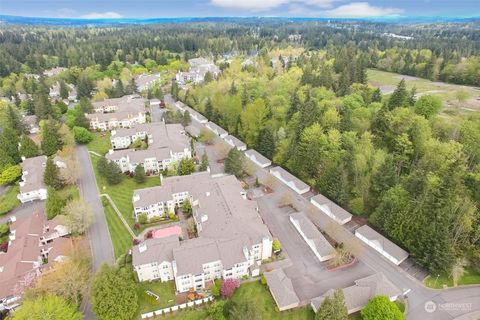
(377, 95)
(51, 176)
(30, 107)
(265, 143)
(233, 89)
(333, 308)
(186, 119)
(86, 105)
(13, 121)
(399, 97)
(64, 89)
(54, 204)
(209, 109)
(9, 146)
(84, 87)
(28, 148)
(235, 163)
(51, 140)
(139, 175)
(343, 83)
(81, 120)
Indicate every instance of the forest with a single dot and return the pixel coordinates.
(397, 160)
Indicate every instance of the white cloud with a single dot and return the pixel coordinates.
(264, 5)
(361, 10)
(102, 15)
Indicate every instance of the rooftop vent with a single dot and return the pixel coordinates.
(142, 247)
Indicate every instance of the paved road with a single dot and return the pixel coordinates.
(23, 210)
(450, 303)
(100, 242)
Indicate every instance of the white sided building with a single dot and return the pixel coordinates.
(232, 238)
(381, 244)
(219, 131)
(290, 180)
(235, 143)
(258, 159)
(331, 209)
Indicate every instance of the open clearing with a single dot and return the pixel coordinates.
(387, 81)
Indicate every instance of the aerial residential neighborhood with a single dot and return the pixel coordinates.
(220, 160)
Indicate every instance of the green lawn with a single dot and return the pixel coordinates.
(121, 239)
(100, 143)
(122, 193)
(260, 295)
(470, 277)
(9, 200)
(165, 290)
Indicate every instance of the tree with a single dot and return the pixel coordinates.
(265, 143)
(186, 119)
(13, 121)
(51, 176)
(72, 170)
(381, 308)
(47, 307)
(64, 89)
(82, 135)
(28, 148)
(79, 216)
(209, 109)
(139, 175)
(80, 119)
(54, 204)
(51, 141)
(10, 173)
(203, 162)
(333, 307)
(215, 310)
(9, 147)
(228, 287)
(400, 97)
(186, 167)
(216, 288)
(85, 87)
(85, 105)
(428, 106)
(69, 279)
(276, 245)
(114, 294)
(235, 163)
(206, 136)
(187, 208)
(109, 170)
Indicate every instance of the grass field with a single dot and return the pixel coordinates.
(470, 277)
(9, 200)
(121, 239)
(101, 143)
(387, 81)
(260, 295)
(165, 290)
(122, 193)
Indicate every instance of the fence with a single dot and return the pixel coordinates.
(177, 307)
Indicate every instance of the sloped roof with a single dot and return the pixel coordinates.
(281, 288)
(323, 247)
(387, 245)
(335, 209)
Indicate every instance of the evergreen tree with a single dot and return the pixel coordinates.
(84, 87)
(233, 89)
(30, 107)
(51, 176)
(377, 95)
(139, 175)
(28, 148)
(51, 140)
(64, 89)
(343, 87)
(9, 146)
(209, 109)
(265, 143)
(333, 308)
(204, 162)
(43, 107)
(85, 105)
(13, 121)
(54, 204)
(186, 119)
(112, 173)
(131, 87)
(81, 119)
(186, 167)
(235, 163)
(400, 97)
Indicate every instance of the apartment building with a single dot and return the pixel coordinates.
(232, 239)
(146, 81)
(124, 112)
(199, 67)
(167, 144)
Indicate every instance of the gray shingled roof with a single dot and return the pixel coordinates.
(324, 248)
(216, 127)
(358, 295)
(258, 157)
(34, 179)
(236, 142)
(335, 209)
(287, 176)
(387, 245)
(281, 288)
(157, 250)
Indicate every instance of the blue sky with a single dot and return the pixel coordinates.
(202, 8)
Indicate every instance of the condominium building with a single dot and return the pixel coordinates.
(232, 239)
(167, 144)
(199, 67)
(146, 81)
(124, 112)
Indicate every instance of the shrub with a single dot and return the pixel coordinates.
(263, 280)
(171, 215)
(135, 242)
(228, 287)
(136, 226)
(143, 219)
(82, 135)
